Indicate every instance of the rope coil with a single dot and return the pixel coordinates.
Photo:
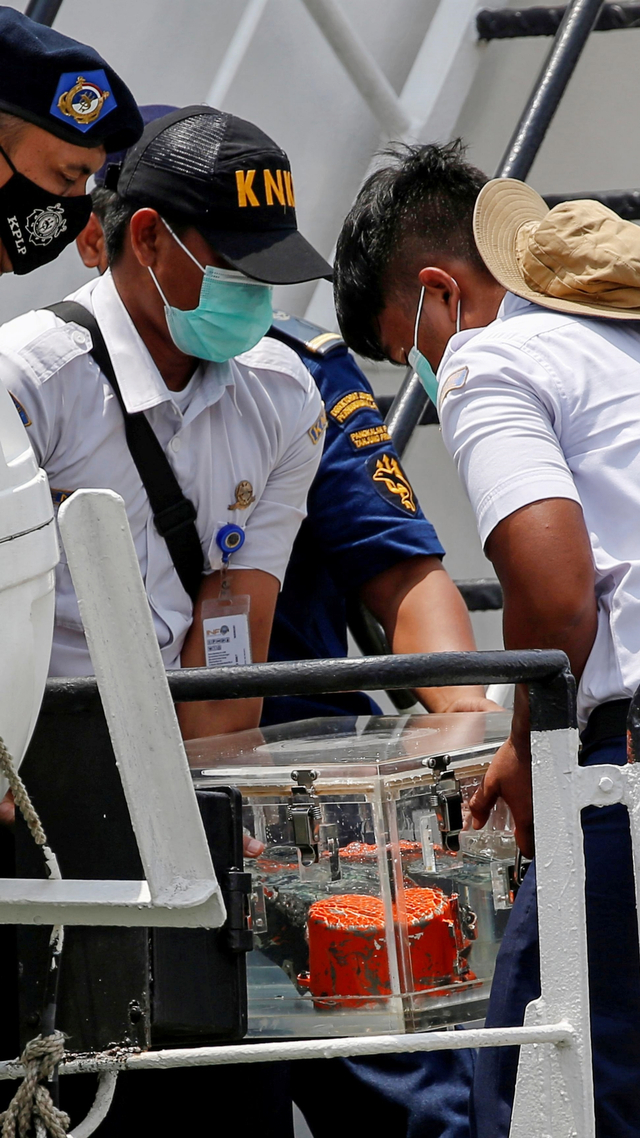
(32, 1108)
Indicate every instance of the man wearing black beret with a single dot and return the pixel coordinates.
(61, 108)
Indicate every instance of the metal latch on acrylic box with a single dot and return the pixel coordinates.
(446, 800)
(305, 815)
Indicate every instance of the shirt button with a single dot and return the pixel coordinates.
(175, 444)
(79, 337)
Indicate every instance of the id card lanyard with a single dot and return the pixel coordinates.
(225, 623)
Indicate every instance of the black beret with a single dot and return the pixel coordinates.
(63, 86)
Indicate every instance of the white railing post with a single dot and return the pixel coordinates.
(180, 887)
(554, 1091)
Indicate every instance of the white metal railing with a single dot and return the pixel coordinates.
(558, 1034)
(180, 886)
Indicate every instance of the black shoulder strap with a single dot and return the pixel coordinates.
(173, 514)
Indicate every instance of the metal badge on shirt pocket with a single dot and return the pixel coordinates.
(245, 496)
(391, 482)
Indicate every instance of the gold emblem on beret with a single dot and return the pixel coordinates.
(83, 102)
(244, 496)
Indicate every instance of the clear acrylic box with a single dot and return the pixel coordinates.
(371, 911)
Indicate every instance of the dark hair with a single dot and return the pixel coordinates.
(418, 206)
(114, 214)
(101, 198)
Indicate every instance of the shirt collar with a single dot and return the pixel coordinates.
(509, 306)
(140, 382)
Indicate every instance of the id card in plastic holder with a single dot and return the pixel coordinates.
(225, 628)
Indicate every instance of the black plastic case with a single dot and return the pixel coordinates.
(119, 986)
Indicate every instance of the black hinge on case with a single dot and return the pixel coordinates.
(236, 892)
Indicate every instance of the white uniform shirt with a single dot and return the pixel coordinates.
(539, 405)
(250, 420)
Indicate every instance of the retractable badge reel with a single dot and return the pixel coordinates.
(225, 621)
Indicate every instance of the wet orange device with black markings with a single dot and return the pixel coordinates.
(347, 945)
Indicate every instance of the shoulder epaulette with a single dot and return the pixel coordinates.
(301, 333)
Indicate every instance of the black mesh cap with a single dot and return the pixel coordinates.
(230, 181)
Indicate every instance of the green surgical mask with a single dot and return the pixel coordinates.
(233, 313)
(420, 363)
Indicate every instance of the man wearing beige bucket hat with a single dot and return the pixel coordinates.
(529, 317)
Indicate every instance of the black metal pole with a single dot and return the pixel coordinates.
(402, 419)
(310, 677)
(43, 11)
(406, 411)
(568, 43)
(513, 23)
(626, 203)
(483, 595)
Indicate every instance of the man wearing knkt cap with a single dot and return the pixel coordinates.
(61, 108)
(203, 224)
(528, 317)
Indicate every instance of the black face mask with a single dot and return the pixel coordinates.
(35, 226)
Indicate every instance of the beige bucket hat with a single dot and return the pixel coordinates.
(578, 257)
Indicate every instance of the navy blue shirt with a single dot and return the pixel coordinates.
(363, 518)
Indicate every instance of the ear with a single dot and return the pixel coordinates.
(148, 234)
(442, 287)
(91, 245)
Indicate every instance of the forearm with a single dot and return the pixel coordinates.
(217, 717)
(421, 610)
(572, 633)
(544, 562)
(543, 559)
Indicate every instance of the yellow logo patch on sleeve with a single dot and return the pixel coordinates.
(349, 404)
(316, 432)
(370, 436)
(391, 482)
